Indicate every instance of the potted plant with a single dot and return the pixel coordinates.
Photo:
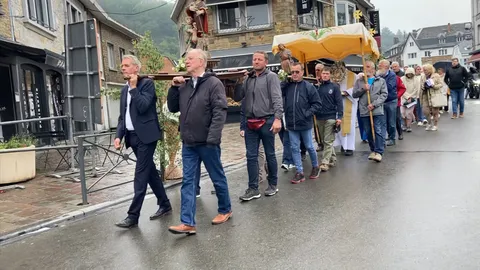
(17, 166)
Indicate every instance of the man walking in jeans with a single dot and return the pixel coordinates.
(264, 111)
(329, 116)
(301, 104)
(378, 94)
(456, 78)
(203, 110)
(390, 105)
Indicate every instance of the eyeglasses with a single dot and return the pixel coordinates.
(296, 71)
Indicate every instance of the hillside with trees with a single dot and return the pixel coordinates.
(388, 37)
(147, 15)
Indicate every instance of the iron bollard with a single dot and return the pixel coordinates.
(81, 164)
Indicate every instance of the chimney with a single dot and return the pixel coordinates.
(449, 28)
(396, 40)
(414, 33)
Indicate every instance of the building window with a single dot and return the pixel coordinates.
(122, 53)
(441, 41)
(240, 16)
(428, 53)
(314, 19)
(442, 52)
(111, 56)
(40, 11)
(344, 13)
(411, 44)
(412, 55)
(460, 38)
(132, 53)
(74, 14)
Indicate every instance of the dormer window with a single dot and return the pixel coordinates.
(441, 41)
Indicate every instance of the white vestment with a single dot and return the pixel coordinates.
(348, 141)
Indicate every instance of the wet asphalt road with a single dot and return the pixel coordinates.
(419, 209)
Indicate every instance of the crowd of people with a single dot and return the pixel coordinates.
(389, 101)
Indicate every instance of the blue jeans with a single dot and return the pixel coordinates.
(390, 109)
(306, 136)
(192, 156)
(363, 133)
(420, 115)
(252, 142)
(377, 146)
(458, 99)
(287, 150)
(198, 174)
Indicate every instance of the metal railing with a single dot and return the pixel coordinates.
(86, 141)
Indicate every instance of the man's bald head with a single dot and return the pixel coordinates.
(318, 70)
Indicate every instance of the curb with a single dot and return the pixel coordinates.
(77, 214)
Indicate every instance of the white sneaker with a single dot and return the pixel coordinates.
(284, 166)
(291, 167)
(420, 124)
(434, 128)
(429, 127)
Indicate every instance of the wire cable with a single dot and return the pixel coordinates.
(128, 14)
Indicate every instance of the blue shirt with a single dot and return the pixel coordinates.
(370, 80)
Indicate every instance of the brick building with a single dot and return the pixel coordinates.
(32, 62)
(238, 28)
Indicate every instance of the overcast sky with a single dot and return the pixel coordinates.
(412, 14)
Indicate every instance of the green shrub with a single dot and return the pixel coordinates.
(18, 142)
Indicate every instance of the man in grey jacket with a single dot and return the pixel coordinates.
(262, 96)
(378, 94)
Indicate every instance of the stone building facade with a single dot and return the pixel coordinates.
(5, 26)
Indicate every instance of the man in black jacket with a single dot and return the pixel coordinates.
(456, 78)
(202, 104)
(138, 124)
(301, 102)
(328, 117)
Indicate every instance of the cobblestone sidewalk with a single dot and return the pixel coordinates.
(45, 198)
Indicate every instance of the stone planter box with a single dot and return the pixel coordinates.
(17, 167)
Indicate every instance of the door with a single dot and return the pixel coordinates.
(7, 103)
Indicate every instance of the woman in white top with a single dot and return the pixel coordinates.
(409, 99)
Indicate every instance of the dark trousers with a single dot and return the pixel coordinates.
(145, 174)
(399, 122)
(390, 109)
(192, 157)
(377, 145)
(363, 133)
(252, 142)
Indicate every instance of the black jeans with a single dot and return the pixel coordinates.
(252, 142)
(145, 174)
(399, 122)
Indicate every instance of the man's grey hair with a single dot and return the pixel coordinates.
(384, 62)
(370, 63)
(320, 66)
(202, 54)
(395, 63)
(134, 59)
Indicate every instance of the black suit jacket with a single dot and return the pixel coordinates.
(143, 112)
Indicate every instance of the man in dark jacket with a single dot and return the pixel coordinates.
(456, 79)
(397, 70)
(203, 110)
(138, 125)
(329, 116)
(260, 91)
(390, 106)
(301, 102)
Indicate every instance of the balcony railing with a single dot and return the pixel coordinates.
(243, 29)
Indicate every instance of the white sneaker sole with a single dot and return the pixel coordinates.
(251, 198)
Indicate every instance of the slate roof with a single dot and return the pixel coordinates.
(435, 31)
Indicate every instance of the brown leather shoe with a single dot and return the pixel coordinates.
(182, 229)
(222, 218)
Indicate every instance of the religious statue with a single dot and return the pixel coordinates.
(192, 31)
(285, 57)
(197, 10)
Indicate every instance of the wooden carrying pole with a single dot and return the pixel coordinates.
(317, 133)
(368, 91)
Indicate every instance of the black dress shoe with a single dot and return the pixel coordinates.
(127, 223)
(400, 137)
(348, 153)
(162, 211)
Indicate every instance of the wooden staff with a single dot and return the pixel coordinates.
(368, 91)
(317, 134)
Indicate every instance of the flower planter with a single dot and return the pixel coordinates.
(17, 167)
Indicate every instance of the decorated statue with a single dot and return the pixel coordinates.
(285, 57)
(197, 10)
(192, 31)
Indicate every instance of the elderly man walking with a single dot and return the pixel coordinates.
(378, 94)
(202, 104)
(390, 105)
(264, 111)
